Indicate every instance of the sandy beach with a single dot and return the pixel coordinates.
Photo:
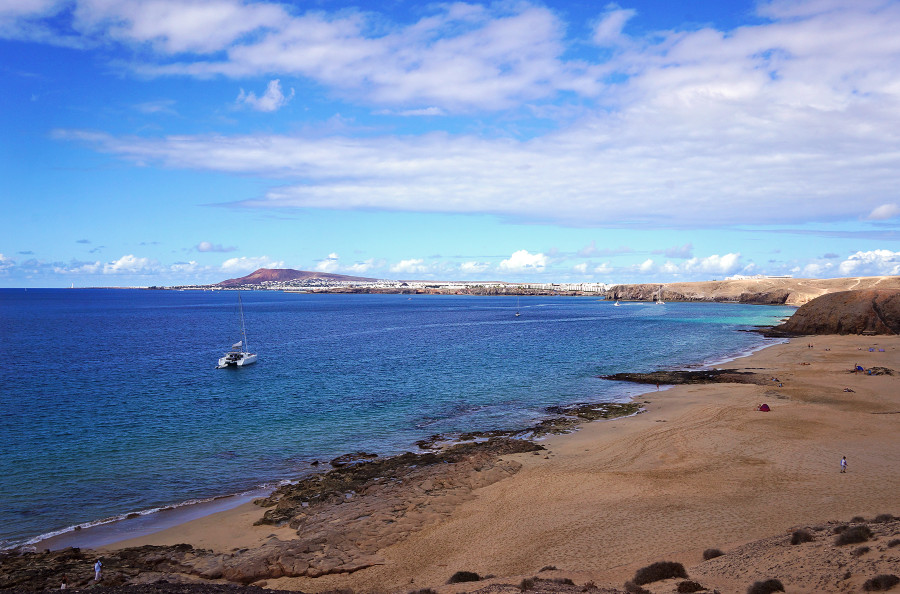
(700, 468)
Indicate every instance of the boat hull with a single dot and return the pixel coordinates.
(236, 360)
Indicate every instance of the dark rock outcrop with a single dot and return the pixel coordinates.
(870, 311)
(709, 376)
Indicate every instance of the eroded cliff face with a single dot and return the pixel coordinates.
(757, 291)
(870, 311)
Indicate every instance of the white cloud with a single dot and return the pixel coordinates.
(131, 264)
(608, 31)
(871, 263)
(6, 263)
(205, 246)
(176, 26)
(788, 120)
(361, 267)
(646, 266)
(604, 268)
(727, 264)
(473, 267)
(524, 261)
(411, 266)
(581, 268)
(245, 264)
(329, 264)
(272, 100)
(884, 212)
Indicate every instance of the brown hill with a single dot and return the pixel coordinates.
(762, 291)
(267, 275)
(847, 312)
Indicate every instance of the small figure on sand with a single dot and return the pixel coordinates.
(65, 583)
(844, 464)
(97, 567)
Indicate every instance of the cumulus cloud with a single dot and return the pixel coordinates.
(362, 267)
(206, 246)
(411, 266)
(524, 261)
(604, 268)
(581, 268)
(329, 264)
(473, 267)
(131, 264)
(871, 263)
(272, 100)
(245, 264)
(646, 266)
(6, 263)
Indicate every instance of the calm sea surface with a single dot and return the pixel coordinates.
(110, 402)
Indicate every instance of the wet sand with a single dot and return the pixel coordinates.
(700, 468)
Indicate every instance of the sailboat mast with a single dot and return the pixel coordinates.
(243, 330)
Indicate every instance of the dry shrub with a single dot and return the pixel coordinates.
(882, 518)
(589, 586)
(854, 535)
(880, 583)
(893, 543)
(689, 586)
(563, 581)
(526, 584)
(633, 588)
(711, 554)
(661, 570)
(463, 576)
(861, 551)
(839, 529)
(857, 519)
(766, 587)
(548, 568)
(801, 536)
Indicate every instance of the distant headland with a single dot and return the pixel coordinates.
(759, 290)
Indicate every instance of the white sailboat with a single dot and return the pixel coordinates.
(517, 306)
(617, 303)
(659, 300)
(240, 354)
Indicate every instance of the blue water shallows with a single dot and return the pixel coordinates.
(111, 402)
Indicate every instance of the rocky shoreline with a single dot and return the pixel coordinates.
(342, 516)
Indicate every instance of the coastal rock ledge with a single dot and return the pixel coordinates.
(872, 311)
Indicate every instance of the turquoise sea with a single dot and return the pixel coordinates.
(111, 404)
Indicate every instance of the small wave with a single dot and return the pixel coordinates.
(28, 544)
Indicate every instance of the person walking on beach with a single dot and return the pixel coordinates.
(844, 464)
(97, 567)
(65, 583)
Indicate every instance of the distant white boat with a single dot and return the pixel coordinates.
(617, 303)
(659, 300)
(239, 355)
(517, 306)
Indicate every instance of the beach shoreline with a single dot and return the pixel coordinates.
(701, 467)
(139, 528)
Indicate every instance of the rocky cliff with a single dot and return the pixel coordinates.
(870, 311)
(267, 275)
(758, 291)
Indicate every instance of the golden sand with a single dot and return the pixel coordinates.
(700, 468)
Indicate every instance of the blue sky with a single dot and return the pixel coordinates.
(148, 142)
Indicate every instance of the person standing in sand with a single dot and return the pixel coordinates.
(97, 567)
(844, 464)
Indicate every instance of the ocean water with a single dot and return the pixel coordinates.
(110, 402)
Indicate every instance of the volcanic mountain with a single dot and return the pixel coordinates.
(265, 275)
